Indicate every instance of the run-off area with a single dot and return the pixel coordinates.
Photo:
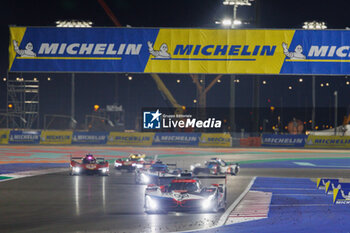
(296, 206)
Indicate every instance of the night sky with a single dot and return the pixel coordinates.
(140, 92)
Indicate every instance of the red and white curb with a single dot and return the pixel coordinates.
(23, 174)
(254, 206)
(227, 213)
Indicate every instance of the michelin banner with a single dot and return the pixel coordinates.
(176, 139)
(154, 50)
(215, 140)
(314, 141)
(56, 137)
(283, 140)
(4, 136)
(89, 137)
(24, 137)
(130, 139)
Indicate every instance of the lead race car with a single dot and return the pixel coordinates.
(216, 166)
(185, 193)
(89, 165)
(150, 174)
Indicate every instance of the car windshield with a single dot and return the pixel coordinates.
(188, 186)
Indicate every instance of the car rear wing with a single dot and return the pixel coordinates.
(164, 180)
(75, 158)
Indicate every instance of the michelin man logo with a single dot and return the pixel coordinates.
(296, 55)
(161, 53)
(151, 120)
(27, 52)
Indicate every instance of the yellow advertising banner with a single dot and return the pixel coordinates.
(4, 136)
(130, 139)
(314, 141)
(215, 140)
(219, 51)
(56, 137)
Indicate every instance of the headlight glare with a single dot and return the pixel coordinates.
(151, 203)
(145, 179)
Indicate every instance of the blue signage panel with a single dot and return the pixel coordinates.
(318, 52)
(90, 137)
(287, 140)
(176, 139)
(24, 137)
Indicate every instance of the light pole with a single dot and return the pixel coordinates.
(314, 25)
(235, 4)
(227, 22)
(73, 24)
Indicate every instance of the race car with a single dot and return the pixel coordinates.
(131, 163)
(89, 165)
(216, 166)
(184, 194)
(158, 169)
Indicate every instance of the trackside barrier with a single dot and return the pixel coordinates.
(283, 140)
(315, 141)
(56, 137)
(67, 137)
(24, 137)
(250, 142)
(130, 139)
(176, 139)
(215, 140)
(4, 136)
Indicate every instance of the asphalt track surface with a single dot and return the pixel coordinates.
(62, 203)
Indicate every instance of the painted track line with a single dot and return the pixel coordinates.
(281, 188)
(19, 175)
(227, 213)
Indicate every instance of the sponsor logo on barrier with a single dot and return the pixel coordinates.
(176, 139)
(56, 137)
(283, 140)
(124, 139)
(328, 141)
(89, 137)
(4, 136)
(215, 139)
(24, 137)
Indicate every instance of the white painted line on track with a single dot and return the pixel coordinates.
(225, 215)
(297, 194)
(23, 174)
(281, 188)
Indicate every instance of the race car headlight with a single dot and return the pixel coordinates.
(116, 164)
(104, 170)
(151, 203)
(76, 169)
(208, 202)
(137, 165)
(145, 179)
